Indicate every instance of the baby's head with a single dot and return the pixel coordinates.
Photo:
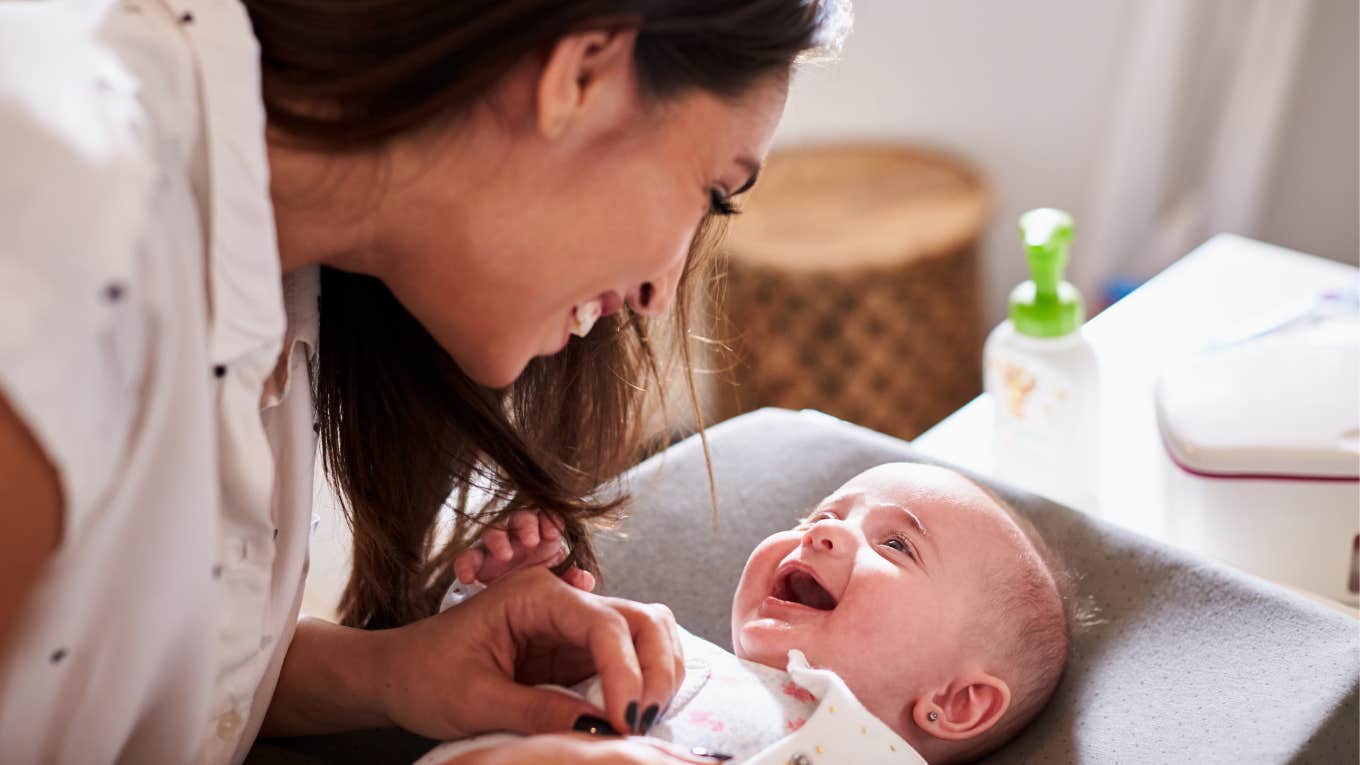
(927, 595)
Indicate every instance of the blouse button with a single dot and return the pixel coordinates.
(220, 371)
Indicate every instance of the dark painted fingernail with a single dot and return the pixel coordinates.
(649, 717)
(645, 294)
(699, 751)
(630, 716)
(593, 725)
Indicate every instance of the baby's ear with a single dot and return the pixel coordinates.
(969, 706)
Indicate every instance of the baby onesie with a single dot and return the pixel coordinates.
(757, 714)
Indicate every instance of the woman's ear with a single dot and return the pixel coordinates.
(587, 79)
(967, 707)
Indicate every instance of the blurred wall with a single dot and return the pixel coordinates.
(1031, 93)
(1314, 205)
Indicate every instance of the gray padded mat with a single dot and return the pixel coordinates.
(1193, 663)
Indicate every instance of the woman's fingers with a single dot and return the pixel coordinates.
(610, 629)
(543, 710)
(460, 672)
(653, 666)
(610, 640)
(660, 659)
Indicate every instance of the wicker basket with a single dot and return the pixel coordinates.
(853, 286)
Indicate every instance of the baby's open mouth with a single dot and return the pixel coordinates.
(796, 585)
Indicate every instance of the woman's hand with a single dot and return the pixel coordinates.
(583, 750)
(470, 668)
(528, 538)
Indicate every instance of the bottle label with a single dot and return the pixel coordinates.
(1044, 432)
(1030, 395)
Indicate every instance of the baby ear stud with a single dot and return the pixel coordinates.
(933, 716)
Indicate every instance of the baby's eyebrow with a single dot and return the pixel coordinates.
(915, 522)
(921, 527)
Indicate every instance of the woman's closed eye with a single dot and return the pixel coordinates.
(720, 203)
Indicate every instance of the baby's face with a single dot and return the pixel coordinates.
(878, 583)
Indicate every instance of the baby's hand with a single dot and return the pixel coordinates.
(527, 538)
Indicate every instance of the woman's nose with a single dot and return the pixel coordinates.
(830, 536)
(653, 298)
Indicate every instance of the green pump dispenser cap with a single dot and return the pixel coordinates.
(1046, 306)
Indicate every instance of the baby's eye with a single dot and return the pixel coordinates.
(901, 545)
(820, 516)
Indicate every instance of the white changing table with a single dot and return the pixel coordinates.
(1286, 532)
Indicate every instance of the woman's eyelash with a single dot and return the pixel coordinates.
(720, 205)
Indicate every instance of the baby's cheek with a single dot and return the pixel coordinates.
(758, 575)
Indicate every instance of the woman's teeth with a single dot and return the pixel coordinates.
(584, 316)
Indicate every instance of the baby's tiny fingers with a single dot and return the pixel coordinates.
(467, 564)
(497, 542)
(549, 526)
(525, 525)
(579, 578)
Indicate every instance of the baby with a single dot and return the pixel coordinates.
(912, 617)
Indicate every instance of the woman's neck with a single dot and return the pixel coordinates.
(325, 208)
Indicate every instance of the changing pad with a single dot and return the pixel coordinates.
(1193, 663)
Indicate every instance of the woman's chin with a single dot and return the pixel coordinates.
(494, 373)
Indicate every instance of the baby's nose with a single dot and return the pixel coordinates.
(829, 537)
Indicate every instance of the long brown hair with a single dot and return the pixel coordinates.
(404, 433)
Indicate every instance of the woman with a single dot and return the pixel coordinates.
(229, 228)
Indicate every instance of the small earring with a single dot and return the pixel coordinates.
(933, 716)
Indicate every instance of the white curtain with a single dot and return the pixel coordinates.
(1191, 143)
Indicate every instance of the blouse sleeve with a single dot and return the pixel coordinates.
(74, 196)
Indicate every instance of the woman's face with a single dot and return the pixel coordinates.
(567, 188)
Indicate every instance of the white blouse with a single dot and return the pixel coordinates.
(147, 343)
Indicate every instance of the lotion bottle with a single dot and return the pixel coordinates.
(1042, 374)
